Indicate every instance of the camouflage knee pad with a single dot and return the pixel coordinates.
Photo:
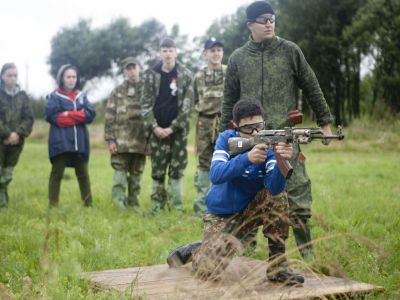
(214, 256)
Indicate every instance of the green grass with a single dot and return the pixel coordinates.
(355, 226)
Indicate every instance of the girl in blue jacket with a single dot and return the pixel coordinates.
(68, 111)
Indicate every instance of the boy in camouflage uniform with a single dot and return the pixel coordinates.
(166, 105)
(124, 133)
(16, 120)
(247, 191)
(208, 88)
(272, 70)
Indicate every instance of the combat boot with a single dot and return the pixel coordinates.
(278, 270)
(182, 255)
(302, 235)
(202, 184)
(286, 276)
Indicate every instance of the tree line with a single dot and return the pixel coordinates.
(335, 36)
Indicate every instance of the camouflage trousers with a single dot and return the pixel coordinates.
(206, 134)
(168, 156)
(128, 169)
(9, 156)
(223, 234)
(300, 201)
(299, 187)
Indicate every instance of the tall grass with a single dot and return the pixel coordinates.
(355, 226)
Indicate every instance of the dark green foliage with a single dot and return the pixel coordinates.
(94, 51)
(375, 31)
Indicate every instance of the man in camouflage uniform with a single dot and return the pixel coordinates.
(125, 135)
(166, 105)
(208, 88)
(271, 69)
(16, 120)
(248, 191)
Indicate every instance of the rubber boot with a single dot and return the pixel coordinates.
(5, 179)
(84, 187)
(3, 191)
(278, 270)
(202, 185)
(158, 197)
(182, 254)
(118, 188)
(133, 190)
(302, 235)
(3, 198)
(175, 193)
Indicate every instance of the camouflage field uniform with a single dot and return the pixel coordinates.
(272, 72)
(169, 153)
(208, 88)
(15, 116)
(223, 234)
(124, 127)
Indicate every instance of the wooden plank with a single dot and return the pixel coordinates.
(243, 279)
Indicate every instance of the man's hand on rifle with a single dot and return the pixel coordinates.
(326, 130)
(258, 154)
(285, 150)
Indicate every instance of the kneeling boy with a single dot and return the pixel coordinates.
(247, 191)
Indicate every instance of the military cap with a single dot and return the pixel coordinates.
(257, 9)
(212, 42)
(129, 61)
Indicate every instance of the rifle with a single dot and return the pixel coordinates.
(287, 135)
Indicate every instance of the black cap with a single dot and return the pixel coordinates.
(212, 42)
(257, 9)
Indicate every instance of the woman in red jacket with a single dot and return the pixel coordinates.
(68, 111)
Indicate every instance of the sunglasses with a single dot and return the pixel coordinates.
(263, 19)
(249, 128)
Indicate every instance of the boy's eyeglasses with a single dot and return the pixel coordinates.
(263, 19)
(249, 128)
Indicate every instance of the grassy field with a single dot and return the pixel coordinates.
(355, 226)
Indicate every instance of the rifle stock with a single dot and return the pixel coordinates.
(238, 145)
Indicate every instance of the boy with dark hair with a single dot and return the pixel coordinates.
(247, 191)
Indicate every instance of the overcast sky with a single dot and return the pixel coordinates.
(27, 26)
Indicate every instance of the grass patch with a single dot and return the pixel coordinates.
(355, 225)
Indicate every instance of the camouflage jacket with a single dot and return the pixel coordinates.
(272, 73)
(185, 94)
(15, 114)
(123, 118)
(208, 90)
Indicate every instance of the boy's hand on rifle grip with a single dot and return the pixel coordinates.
(258, 154)
(285, 150)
